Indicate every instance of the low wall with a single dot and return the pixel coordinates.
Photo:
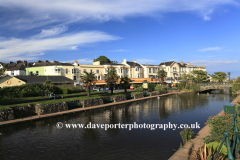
(41, 109)
(119, 98)
(6, 114)
(91, 102)
(139, 95)
(23, 111)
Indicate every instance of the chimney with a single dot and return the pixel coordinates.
(181, 63)
(188, 63)
(125, 61)
(135, 61)
(10, 62)
(46, 61)
(39, 61)
(17, 62)
(24, 63)
(75, 63)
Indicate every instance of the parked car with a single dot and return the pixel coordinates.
(96, 89)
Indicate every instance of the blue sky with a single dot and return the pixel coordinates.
(149, 31)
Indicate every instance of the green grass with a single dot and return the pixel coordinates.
(67, 99)
(42, 97)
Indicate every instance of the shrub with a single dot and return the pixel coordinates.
(138, 88)
(160, 87)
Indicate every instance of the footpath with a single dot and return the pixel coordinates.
(37, 117)
(197, 142)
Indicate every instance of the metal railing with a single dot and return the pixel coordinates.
(215, 83)
(232, 153)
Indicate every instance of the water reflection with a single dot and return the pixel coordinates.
(42, 140)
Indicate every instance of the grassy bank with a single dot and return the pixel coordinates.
(67, 99)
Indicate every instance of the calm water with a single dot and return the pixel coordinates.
(43, 140)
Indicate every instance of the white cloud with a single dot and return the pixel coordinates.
(31, 47)
(144, 61)
(41, 12)
(211, 49)
(51, 32)
(216, 62)
(74, 47)
(120, 50)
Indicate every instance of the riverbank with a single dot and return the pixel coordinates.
(197, 142)
(37, 117)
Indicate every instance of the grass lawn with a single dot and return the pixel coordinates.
(68, 99)
(42, 97)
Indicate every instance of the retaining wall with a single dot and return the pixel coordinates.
(119, 98)
(42, 109)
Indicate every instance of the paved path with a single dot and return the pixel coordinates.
(197, 142)
(3, 123)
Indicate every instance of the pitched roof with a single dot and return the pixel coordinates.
(14, 66)
(184, 64)
(133, 64)
(166, 63)
(42, 79)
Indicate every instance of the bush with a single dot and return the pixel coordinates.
(138, 88)
(160, 87)
(65, 90)
(236, 85)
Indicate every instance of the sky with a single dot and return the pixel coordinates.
(204, 32)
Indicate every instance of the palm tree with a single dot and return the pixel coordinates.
(88, 78)
(125, 82)
(111, 78)
(162, 75)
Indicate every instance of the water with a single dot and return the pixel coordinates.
(43, 140)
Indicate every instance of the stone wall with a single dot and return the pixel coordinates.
(136, 96)
(6, 114)
(41, 109)
(23, 111)
(119, 98)
(91, 102)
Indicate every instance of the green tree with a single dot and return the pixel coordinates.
(48, 83)
(111, 78)
(125, 81)
(162, 75)
(219, 76)
(88, 79)
(102, 59)
(199, 76)
(236, 85)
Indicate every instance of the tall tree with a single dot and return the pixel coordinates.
(111, 78)
(162, 75)
(88, 78)
(199, 76)
(219, 76)
(102, 59)
(125, 81)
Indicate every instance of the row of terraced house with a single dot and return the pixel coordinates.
(132, 69)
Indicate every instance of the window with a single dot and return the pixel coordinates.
(98, 77)
(84, 70)
(90, 70)
(57, 70)
(66, 71)
(121, 71)
(182, 69)
(12, 73)
(149, 70)
(136, 69)
(74, 77)
(74, 71)
(153, 70)
(31, 73)
(118, 70)
(37, 73)
(97, 71)
(126, 70)
(106, 71)
(45, 70)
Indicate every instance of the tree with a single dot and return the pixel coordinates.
(102, 59)
(162, 75)
(48, 83)
(125, 82)
(111, 78)
(219, 76)
(88, 78)
(199, 76)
